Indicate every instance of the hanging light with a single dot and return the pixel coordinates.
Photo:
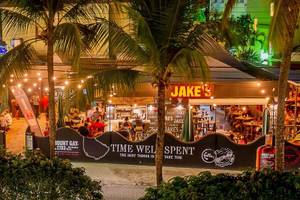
(40, 79)
(25, 79)
(263, 91)
(29, 90)
(66, 82)
(11, 75)
(26, 75)
(34, 85)
(19, 85)
(39, 74)
(11, 80)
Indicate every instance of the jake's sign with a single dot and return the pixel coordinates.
(191, 91)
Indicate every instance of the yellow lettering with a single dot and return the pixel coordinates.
(175, 93)
(197, 91)
(182, 91)
(190, 91)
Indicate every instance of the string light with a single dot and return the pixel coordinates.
(66, 82)
(258, 84)
(29, 90)
(34, 85)
(40, 79)
(3, 85)
(54, 78)
(38, 73)
(46, 89)
(26, 75)
(11, 75)
(110, 95)
(25, 79)
(79, 86)
(82, 81)
(11, 80)
(19, 85)
(263, 91)
(109, 101)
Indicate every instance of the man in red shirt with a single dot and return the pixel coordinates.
(97, 126)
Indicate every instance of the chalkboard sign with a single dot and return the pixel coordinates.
(174, 119)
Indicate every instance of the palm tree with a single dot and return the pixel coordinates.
(166, 41)
(282, 31)
(64, 29)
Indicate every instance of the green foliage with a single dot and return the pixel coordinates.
(246, 186)
(246, 54)
(36, 177)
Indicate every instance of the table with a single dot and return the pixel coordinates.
(244, 118)
(252, 124)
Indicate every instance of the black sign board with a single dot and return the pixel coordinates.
(212, 151)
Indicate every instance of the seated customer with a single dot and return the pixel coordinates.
(83, 130)
(97, 126)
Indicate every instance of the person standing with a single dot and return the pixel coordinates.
(36, 104)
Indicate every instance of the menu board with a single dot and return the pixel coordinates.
(174, 119)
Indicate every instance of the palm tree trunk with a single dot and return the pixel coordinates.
(282, 91)
(159, 156)
(50, 65)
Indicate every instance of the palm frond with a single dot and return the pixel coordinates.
(84, 10)
(121, 43)
(285, 16)
(121, 80)
(17, 61)
(143, 35)
(15, 21)
(69, 41)
(191, 63)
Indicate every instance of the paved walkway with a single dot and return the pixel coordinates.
(128, 182)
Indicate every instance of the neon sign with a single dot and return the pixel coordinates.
(191, 91)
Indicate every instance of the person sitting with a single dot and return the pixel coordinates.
(96, 114)
(126, 124)
(8, 118)
(83, 130)
(97, 126)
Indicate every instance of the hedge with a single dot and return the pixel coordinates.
(249, 185)
(33, 176)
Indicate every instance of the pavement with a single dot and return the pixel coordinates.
(128, 182)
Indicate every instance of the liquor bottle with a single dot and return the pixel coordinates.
(265, 155)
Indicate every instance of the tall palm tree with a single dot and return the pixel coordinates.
(64, 29)
(282, 31)
(166, 41)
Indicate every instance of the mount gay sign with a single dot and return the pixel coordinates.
(191, 91)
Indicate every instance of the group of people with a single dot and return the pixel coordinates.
(94, 124)
(134, 130)
(5, 120)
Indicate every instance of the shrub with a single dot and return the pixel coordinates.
(34, 176)
(246, 186)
